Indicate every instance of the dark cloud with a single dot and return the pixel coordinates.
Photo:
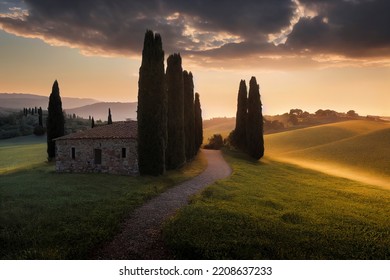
(355, 28)
(119, 26)
(247, 18)
(209, 29)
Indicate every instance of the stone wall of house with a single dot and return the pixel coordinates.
(113, 160)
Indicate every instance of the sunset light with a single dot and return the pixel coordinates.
(327, 52)
(175, 138)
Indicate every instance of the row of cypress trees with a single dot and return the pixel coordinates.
(169, 119)
(32, 111)
(169, 133)
(248, 133)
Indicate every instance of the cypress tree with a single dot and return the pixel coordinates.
(175, 153)
(239, 139)
(109, 121)
(255, 141)
(152, 108)
(189, 115)
(92, 123)
(55, 120)
(198, 123)
(40, 119)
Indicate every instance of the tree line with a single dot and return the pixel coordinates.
(169, 114)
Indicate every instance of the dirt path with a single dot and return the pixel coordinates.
(140, 237)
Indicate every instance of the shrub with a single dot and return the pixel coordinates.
(215, 142)
(39, 130)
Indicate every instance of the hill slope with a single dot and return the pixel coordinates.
(355, 149)
(83, 107)
(120, 111)
(221, 126)
(21, 100)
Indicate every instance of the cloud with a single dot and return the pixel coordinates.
(353, 28)
(118, 26)
(208, 31)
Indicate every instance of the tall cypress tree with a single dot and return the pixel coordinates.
(241, 117)
(109, 121)
(175, 153)
(189, 115)
(92, 123)
(198, 123)
(255, 141)
(152, 108)
(55, 120)
(40, 118)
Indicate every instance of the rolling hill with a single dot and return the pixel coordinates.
(21, 100)
(221, 126)
(357, 150)
(120, 111)
(83, 107)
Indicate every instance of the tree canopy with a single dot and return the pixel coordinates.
(248, 133)
(198, 123)
(109, 119)
(255, 141)
(175, 154)
(152, 108)
(55, 120)
(189, 115)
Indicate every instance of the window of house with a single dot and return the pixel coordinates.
(98, 156)
(123, 152)
(73, 153)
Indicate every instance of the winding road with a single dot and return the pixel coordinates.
(140, 237)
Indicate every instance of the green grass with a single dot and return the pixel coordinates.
(360, 146)
(369, 152)
(291, 141)
(273, 210)
(45, 215)
(23, 140)
(21, 153)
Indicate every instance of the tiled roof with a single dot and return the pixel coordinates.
(116, 130)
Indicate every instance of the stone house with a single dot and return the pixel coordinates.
(103, 149)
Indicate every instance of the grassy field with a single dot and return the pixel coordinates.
(22, 152)
(45, 215)
(291, 141)
(360, 147)
(274, 210)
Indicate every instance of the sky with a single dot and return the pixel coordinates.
(307, 54)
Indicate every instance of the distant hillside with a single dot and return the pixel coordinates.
(21, 100)
(119, 111)
(221, 126)
(7, 111)
(356, 149)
